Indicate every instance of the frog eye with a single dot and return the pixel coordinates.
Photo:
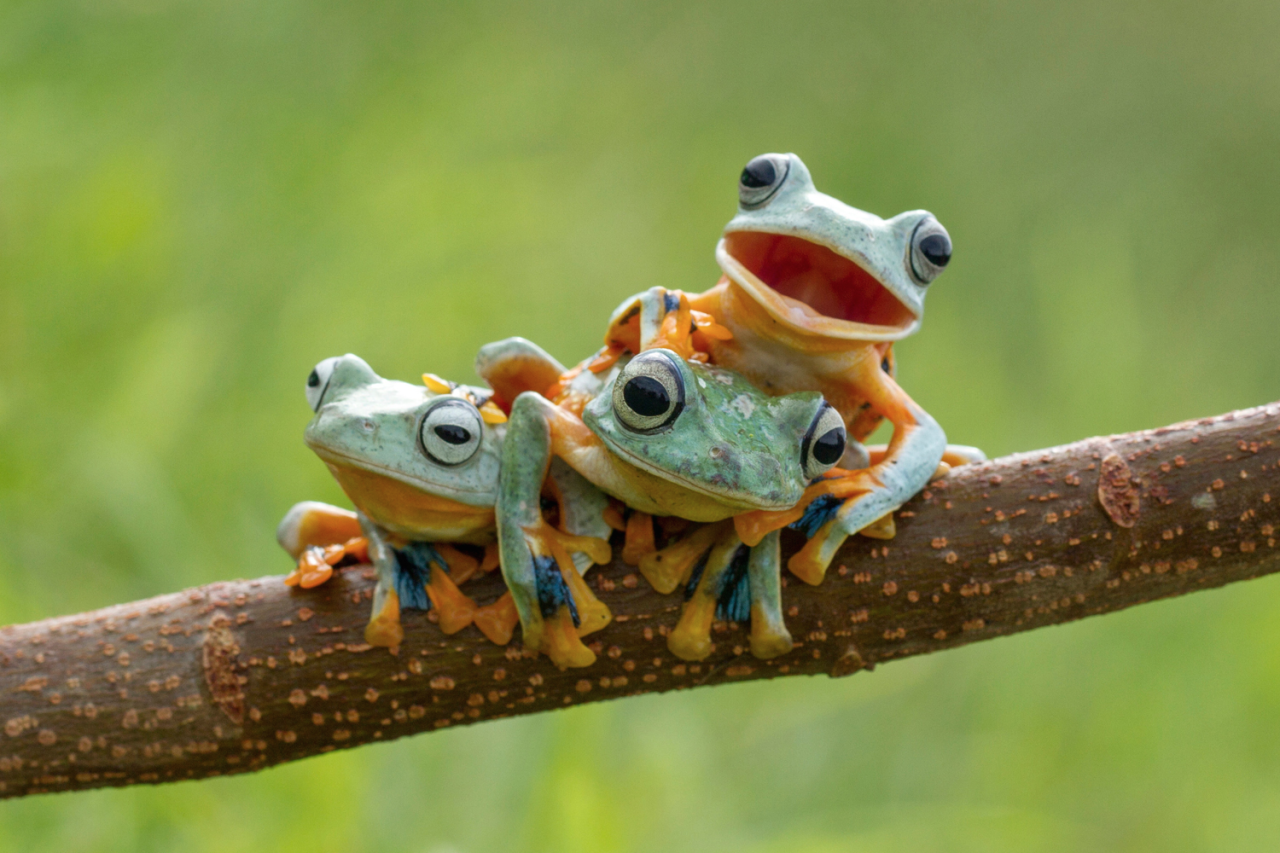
(649, 392)
(450, 431)
(760, 179)
(318, 382)
(824, 442)
(930, 250)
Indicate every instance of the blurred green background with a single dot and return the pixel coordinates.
(198, 201)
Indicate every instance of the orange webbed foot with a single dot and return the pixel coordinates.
(665, 570)
(454, 610)
(497, 621)
(593, 614)
(316, 563)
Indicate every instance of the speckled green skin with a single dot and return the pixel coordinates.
(371, 423)
(757, 465)
(731, 442)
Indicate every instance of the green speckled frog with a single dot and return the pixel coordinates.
(666, 437)
(420, 463)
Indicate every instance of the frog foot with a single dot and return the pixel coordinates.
(562, 644)
(667, 569)
(828, 521)
(769, 636)
(640, 540)
(567, 608)
(685, 331)
(316, 563)
(546, 541)
(454, 610)
(691, 638)
(384, 627)
(497, 621)
(718, 588)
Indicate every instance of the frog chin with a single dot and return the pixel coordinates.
(461, 499)
(812, 288)
(727, 497)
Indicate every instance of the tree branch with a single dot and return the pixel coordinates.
(241, 675)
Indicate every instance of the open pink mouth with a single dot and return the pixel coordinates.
(828, 283)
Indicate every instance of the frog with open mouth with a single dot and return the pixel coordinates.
(420, 463)
(813, 295)
(667, 437)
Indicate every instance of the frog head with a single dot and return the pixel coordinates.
(394, 447)
(819, 266)
(711, 431)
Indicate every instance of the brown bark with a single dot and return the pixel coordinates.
(241, 675)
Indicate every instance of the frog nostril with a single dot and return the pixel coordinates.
(313, 381)
(937, 248)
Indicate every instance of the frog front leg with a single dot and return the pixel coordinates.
(911, 459)
(769, 635)
(384, 627)
(846, 502)
(411, 575)
(734, 583)
(546, 589)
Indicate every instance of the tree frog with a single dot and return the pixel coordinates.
(668, 437)
(813, 295)
(420, 463)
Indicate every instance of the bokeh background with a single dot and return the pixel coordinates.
(198, 201)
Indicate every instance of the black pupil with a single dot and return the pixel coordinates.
(937, 248)
(646, 397)
(759, 173)
(453, 433)
(830, 447)
(313, 381)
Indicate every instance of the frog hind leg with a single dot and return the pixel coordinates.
(562, 642)
(319, 536)
(667, 569)
(691, 638)
(309, 523)
(384, 627)
(769, 635)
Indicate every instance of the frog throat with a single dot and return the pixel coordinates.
(725, 496)
(813, 288)
(442, 498)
